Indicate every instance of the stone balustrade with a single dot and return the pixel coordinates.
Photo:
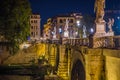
(93, 42)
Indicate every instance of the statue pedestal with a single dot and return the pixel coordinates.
(99, 33)
(100, 29)
(54, 37)
(66, 34)
(110, 33)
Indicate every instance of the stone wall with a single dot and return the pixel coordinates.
(102, 64)
(112, 68)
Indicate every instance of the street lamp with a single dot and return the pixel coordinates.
(60, 30)
(91, 30)
(78, 22)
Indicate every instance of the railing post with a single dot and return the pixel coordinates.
(91, 41)
(111, 42)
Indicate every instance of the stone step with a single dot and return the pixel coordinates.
(63, 70)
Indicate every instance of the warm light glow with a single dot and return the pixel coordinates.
(66, 34)
(78, 23)
(76, 33)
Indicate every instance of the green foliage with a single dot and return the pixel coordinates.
(14, 22)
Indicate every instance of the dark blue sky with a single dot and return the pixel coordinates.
(50, 8)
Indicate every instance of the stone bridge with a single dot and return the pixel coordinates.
(72, 61)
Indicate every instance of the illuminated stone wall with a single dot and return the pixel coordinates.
(102, 64)
(98, 64)
(112, 68)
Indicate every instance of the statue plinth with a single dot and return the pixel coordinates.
(110, 33)
(100, 29)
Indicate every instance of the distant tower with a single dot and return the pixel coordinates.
(35, 27)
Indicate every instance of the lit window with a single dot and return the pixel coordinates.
(71, 20)
(31, 27)
(31, 33)
(31, 21)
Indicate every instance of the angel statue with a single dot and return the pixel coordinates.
(84, 32)
(110, 24)
(54, 33)
(66, 32)
(99, 10)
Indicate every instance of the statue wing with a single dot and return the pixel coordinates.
(112, 21)
(95, 6)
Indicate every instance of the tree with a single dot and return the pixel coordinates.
(14, 22)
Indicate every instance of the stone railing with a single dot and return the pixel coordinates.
(106, 42)
(102, 42)
(116, 41)
(77, 41)
(93, 42)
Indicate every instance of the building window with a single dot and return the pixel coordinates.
(35, 21)
(31, 21)
(61, 21)
(36, 28)
(31, 27)
(31, 33)
(71, 20)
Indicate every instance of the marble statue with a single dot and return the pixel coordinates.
(99, 10)
(110, 24)
(54, 33)
(84, 32)
(66, 32)
(47, 28)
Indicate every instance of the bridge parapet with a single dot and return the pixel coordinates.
(106, 42)
(77, 41)
(95, 42)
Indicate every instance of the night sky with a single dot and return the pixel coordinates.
(50, 8)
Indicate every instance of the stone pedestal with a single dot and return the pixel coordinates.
(100, 29)
(110, 33)
(100, 32)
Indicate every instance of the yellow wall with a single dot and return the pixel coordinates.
(112, 68)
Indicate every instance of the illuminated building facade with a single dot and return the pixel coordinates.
(74, 22)
(35, 27)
